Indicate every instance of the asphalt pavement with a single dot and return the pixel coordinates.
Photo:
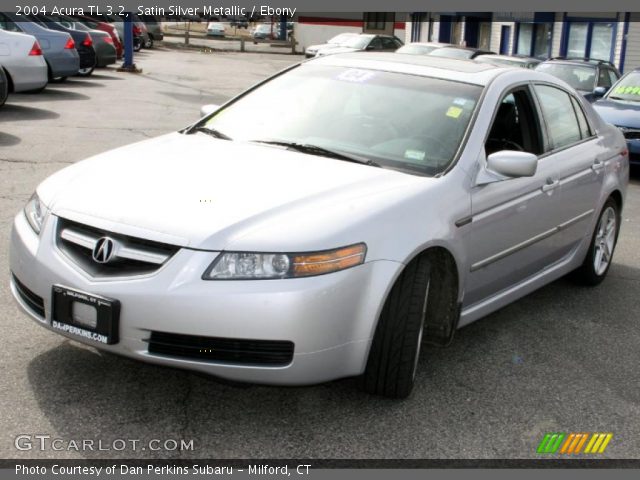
(564, 359)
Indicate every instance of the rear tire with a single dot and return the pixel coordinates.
(603, 243)
(4, 89)
(85, 72)
(393, 358)
(149, 43)
(58, 80)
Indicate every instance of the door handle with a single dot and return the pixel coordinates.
(597, 165)
(550, 185)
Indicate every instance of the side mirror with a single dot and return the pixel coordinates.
(600, 91)
(510, 163)
(208, 109)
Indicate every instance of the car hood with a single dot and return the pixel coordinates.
(201, 192)
(619, 112)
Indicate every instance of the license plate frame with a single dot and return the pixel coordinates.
(106, 330)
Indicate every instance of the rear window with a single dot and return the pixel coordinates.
(578, 76)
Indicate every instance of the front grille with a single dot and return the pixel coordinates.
(630, 133)
(33, 301)
(131, 256)
(226, 350)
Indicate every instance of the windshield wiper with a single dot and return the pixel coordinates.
(615, 97)
(209, 131)
(320, 151)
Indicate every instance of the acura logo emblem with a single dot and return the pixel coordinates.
(103, 250)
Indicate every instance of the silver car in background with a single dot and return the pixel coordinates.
(404, 197)
(22, 61)
(58, 47)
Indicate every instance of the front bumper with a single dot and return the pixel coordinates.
(634, 151)
(329, 318)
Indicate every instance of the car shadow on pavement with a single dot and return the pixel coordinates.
(15, 113)
(495, 386)
(105, 76)
(197, 99)
(73, 82)
(50, 94)
(7, 140)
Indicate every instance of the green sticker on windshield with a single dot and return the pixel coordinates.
(630, 90)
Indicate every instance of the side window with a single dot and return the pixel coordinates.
(585, 130)
(613, 76)
(516, 125)
(7, 25)
(603, 78)
(559, 115)
(376, 44)
(388, 44)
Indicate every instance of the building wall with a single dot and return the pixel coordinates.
(496, 35)
(632, 56)
(312, 30)
(556, 39)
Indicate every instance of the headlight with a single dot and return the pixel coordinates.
(35, 211)
(261, 266)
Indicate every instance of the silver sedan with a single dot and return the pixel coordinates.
(328, 222)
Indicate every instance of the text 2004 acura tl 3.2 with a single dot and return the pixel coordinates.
(327, 222)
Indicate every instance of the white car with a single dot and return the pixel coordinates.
(23, 62)
(215, 29)
(391, 199)
(334, 42)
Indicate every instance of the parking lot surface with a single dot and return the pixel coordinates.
(564, 359)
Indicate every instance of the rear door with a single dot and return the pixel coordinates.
(572, 145)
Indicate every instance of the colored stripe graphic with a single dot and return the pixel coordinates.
(573, 443)
(550, 443)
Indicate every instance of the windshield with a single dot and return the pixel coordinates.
(399, 121)
(628, 88)
(417, 49)
(578, 76)
(338, 39)
(452, 52)
(356, 41)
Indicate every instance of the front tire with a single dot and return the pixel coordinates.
(149, 43)
(603, 242)
(4, 87)
(395, 350)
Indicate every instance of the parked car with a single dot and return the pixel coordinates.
(462, 53)
(58, 48)
(22, 61)
(421, 48)
(334, 42)
(378, 224)
(4, 86)
(508, 60)
(105, 27)
(154, 29)
(365, 42)
(82, 41)
(583, 74)
(264, 31)
(139, 29)
(620, 106)
(238, 21)
(106, 53)
(215, 29)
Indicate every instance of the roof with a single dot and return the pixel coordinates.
(580, 61)
(510, 58)
(466, 71)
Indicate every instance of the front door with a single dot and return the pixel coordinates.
(513, 221)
